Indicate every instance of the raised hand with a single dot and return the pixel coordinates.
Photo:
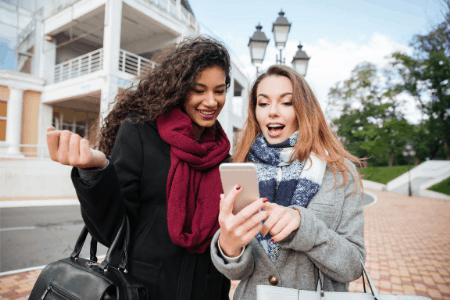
(69, 148)
(236, 231)
(281, 221)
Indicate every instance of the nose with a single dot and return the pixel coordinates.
(210, 100)
(273, 110)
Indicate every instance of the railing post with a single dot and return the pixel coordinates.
(124, 60)
(139, 66)
(89, 63)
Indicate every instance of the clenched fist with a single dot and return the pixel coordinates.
(69, 148)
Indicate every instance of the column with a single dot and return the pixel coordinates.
(179, 9)
(14, 122)
(45, 120)
(111, 51)
(38, 56)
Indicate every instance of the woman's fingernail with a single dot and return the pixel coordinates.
(238, 187)
(272, 240)
(265, 199)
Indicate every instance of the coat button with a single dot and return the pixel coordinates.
(273, 280)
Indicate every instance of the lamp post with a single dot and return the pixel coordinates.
(258, 44)
(300, 61)
(280, 30)
(408, 153)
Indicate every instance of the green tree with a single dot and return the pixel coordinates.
(370, 123)
(425, 75)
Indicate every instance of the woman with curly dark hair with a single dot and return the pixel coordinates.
(165, 146)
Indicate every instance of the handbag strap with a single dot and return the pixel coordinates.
(79, 244)
(124, 229)
(371, 285)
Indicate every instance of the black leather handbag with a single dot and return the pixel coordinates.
(76, 278)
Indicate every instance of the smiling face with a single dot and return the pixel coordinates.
(274, 109)
(206, 99)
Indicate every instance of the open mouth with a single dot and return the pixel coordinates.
(206, 114)
(275, 129)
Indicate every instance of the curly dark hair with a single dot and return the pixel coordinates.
(165, 87)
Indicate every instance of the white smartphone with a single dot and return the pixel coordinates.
(245, 174)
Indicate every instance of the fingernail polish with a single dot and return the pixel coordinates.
(272, 240)
(238, 187)
(265, 199)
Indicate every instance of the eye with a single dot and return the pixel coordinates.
(198, 91)
(220, 92)
(287, 103)
(262, 104)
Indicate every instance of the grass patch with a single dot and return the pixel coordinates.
(442, 187)
(383, 174)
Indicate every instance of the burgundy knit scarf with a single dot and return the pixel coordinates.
(193, 185)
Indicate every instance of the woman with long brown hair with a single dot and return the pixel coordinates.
(312, 212)
(159, 152)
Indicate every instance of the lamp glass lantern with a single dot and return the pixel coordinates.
(300, 61)
(258, 44)
(280, 30)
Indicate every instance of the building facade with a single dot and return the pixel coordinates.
(74, 56)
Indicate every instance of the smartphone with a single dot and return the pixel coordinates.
(245, 174)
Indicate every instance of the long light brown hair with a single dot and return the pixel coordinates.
(314, 132)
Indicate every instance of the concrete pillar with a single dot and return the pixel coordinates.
(14, 122)
(36, 67)
(245, 100)
(45, 120)
(227, 111)
(178, 8)
(47, 67)
(111, 51)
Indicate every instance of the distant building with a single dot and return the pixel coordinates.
(73, 56)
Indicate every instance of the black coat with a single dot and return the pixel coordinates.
(135, 181)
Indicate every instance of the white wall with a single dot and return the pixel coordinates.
(28, 178)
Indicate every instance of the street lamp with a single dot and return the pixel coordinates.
(300, 61)
(408, 153)
(281, 27)
(258, 44)
(280, 30)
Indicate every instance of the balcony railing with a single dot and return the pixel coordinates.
(93, 61)
(134, 64)
(78, 66)
(28, 151)
(171, 6)
(54, 6)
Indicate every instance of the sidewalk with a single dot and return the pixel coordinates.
(408, 249)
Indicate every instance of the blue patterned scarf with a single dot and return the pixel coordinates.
(284, 182)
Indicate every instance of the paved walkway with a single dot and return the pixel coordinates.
(408, 249)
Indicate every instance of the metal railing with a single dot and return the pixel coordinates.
(28, 151)
(134, 64)
(93, 61)
(170, 6)
(189, 19)
(78, 66)
(54, 6)
(23, 34)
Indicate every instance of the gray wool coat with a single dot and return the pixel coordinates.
(330, 238)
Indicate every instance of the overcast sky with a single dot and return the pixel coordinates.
(337, 35)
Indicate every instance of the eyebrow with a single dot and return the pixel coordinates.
(203, 85)
(281, 96)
